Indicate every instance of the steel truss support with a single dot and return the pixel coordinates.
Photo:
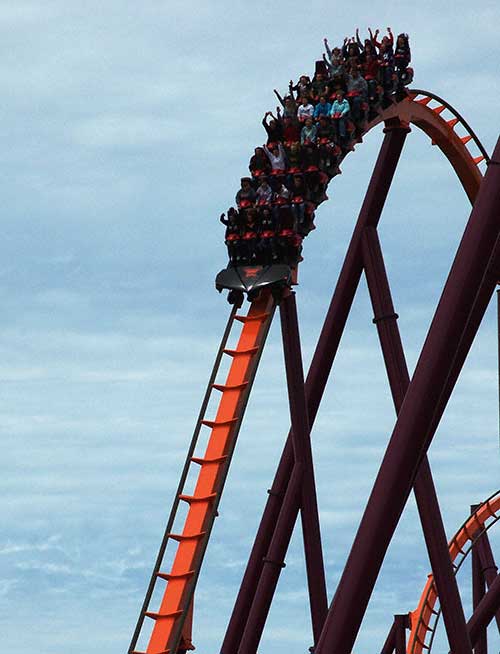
(300, 493)
(478, 592)
(485, 611)
(428, 506)
(396, 640)
(321, 365)
(472, 276)
(485, 564)
(303, 454)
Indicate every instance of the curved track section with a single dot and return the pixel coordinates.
(423, 620)
(424, 97)
(441, 123)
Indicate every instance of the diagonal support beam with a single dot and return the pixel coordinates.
(485, 611)
(396, 639)
(272, 564)
(301, 492)
(472, 273)
(303, 454)
(488, 566)
(425, 492)
(321, 365)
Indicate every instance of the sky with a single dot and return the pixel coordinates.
(125, 129)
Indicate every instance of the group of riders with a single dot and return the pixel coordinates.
(316, 125)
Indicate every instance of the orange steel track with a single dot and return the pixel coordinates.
(441, 130)
(440, 123)
(420, 618)
(189, 550)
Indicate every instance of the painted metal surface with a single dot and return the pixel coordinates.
(176, 605)
(425, 493)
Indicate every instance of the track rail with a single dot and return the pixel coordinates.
(182, 482)
(440, 121)
(457, 119)
(423, 620)
(171, 621)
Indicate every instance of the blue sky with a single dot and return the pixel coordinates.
(125, 129)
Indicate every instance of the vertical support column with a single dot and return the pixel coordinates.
(424, 403)
(301, 491)
(488, 566)
(321, 365)
(311, 532)
(401, 622)
(498, 359)
(425, 492)
(478, 591)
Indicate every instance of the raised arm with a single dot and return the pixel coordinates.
(281, 101)
(327, 48)
(327, 63)
(391, 36)
(358, 41)
(344, 48)
(373, 37)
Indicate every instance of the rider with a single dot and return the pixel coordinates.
(246, 194)
(339, 114)
(273, 128)
(357, 92)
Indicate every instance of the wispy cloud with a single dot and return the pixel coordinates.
(126, 129)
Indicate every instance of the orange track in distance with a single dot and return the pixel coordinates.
(201, 503)
(420, 618)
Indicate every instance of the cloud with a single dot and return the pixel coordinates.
(126, 129)
(50, 544)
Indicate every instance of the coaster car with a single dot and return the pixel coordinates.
(251, 279)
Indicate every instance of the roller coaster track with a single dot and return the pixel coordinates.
(171, 621)
(423, 620)
(181, 579)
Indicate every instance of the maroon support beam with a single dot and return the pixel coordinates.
(401, 622)
(488, 566)
(485, 611)
(481, 303)
(421, 410)
(303, 489)
(478, 592)
(273, 562)
(441, 564)
(428, 506)
(321, 365)
(388, 647)
(301, 438)
(396, 640)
